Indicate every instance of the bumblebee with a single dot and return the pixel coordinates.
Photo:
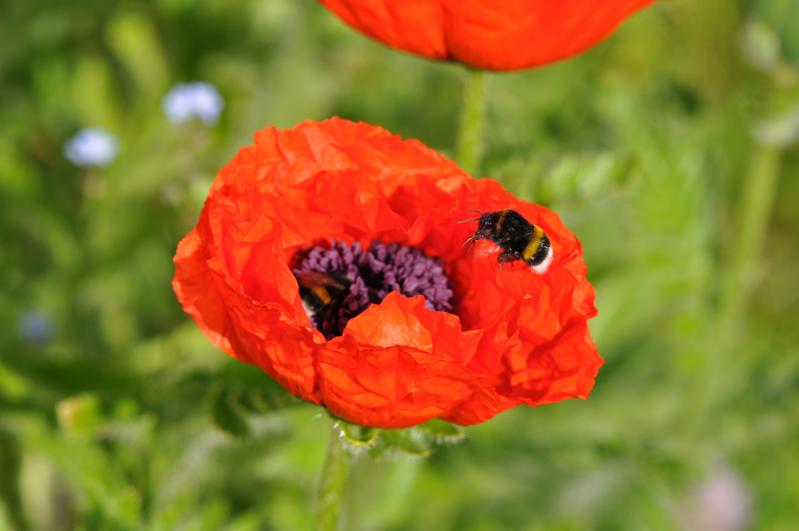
(518, 238)
(322, 295)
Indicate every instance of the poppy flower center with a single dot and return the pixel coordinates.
(340, 281)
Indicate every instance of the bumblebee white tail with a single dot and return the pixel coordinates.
(543, 266)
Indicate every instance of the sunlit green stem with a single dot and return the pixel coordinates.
(739, 276)
(331, 484)
(757, 198)
(470, 133)
(9, 480)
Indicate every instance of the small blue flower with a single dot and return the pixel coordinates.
(36, 327)
(193, 100)
(91, 147)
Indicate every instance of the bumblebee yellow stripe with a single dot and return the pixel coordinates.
(535, 243)
(501, 220)
(322, 293)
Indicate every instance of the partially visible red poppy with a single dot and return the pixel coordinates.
(512, 336)
(489, 34)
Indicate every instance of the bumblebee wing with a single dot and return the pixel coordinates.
(315, 279)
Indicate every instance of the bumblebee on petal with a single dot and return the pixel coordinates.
(518, 238)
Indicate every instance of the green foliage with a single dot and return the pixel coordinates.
(671, 150)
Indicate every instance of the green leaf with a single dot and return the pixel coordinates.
(79, 414)
(135, 43)
(761, 45)
(227, 414)
(263, 401)
(94, 98)
(10, 461)
(781, 130)
(12, 384)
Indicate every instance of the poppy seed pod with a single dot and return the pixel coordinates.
(330, 255)
(488, 34)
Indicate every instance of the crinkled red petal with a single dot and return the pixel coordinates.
(489, 34)
(518, 337)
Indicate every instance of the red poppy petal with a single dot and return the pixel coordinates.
(563, 368)
(398, 362)
(195, 287)
(494, 34)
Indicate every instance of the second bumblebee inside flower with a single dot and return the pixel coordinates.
(339, 282)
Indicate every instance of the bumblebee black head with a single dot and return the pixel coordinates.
(503, 227)
(487, 226)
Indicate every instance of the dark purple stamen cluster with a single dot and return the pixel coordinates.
(371, 274)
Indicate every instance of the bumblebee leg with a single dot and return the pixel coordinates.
(506, 256)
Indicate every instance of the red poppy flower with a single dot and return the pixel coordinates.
(490, 34)
(455, 336)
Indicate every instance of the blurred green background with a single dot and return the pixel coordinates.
(671, 150)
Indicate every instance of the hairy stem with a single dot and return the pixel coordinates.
(331, 483)
(757, 199)
(740, 275)
(10, 455)
(470, 133)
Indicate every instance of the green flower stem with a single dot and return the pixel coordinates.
(332, 482)
(739, 277)
(10, 457)
(757, 199)
(470, 133)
